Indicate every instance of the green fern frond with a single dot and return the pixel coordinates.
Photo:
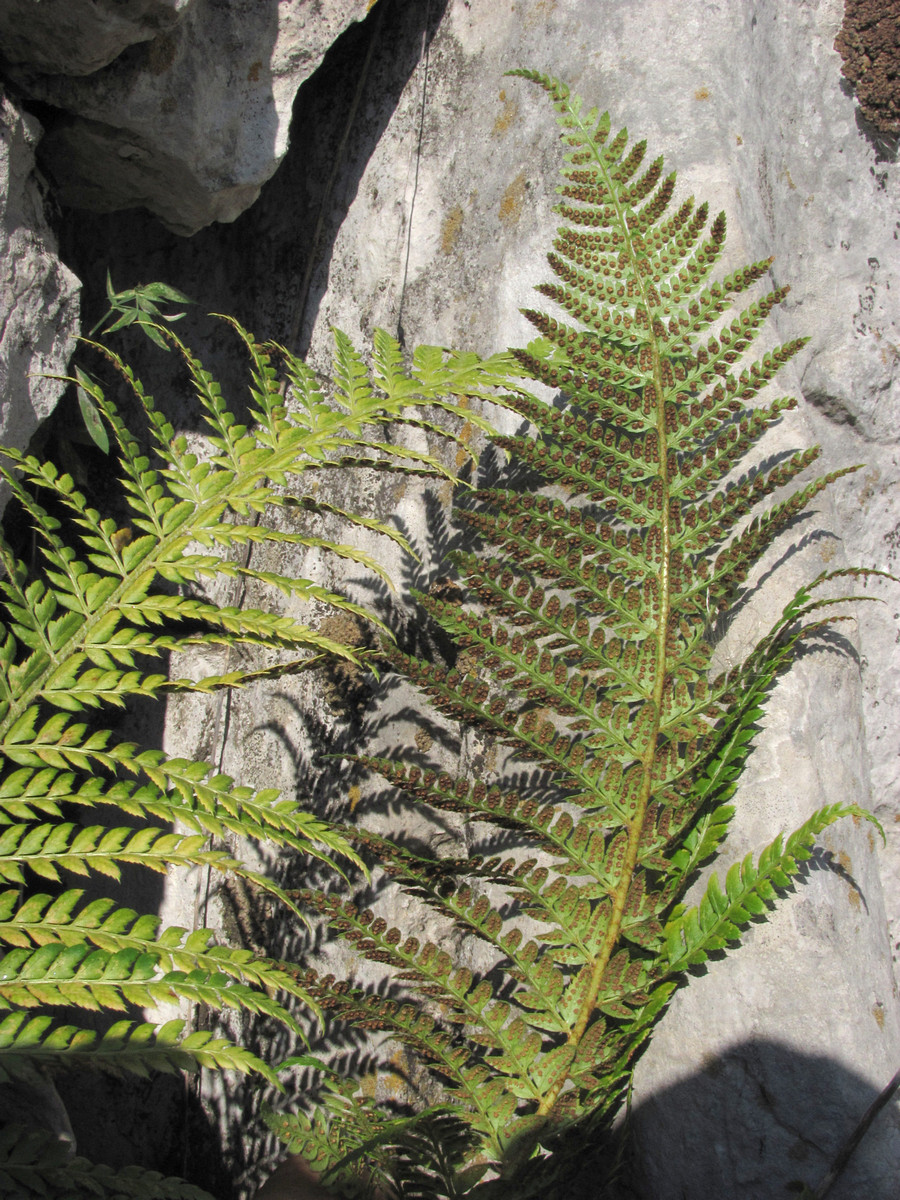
(82, 620)
(29, 1044)
(35, 1164)
(77, 975)
(693, 934)
(584, 649)
(42, 920)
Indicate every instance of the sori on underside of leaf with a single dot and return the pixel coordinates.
(585, 652)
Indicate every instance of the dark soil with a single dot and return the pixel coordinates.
(869, 43)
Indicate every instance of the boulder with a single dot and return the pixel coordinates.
(190, 115)
(77, 37)
(39, 305)
(766, 1061)
(418, 196)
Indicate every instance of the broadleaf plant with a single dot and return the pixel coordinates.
(585, 651)
(90, 607)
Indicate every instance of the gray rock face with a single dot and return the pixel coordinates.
(76, 37)
(38, 295)
(190, 123)
(433, 222)
(764, 1064)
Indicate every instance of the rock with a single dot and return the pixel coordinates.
(433, 223)
(191, 122)
(34, 1102)
(38, 295)
(76, 37)
(444, 241)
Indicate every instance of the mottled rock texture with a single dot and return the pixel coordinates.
(182, 108)
(417, 195)
(76, 37)
(38, 295)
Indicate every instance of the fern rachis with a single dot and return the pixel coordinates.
(86, 619)
(586, 650)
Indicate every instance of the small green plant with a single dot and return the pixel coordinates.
(88, 607)
(135, 306)
(585, 656)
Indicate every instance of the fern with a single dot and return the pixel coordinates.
(585, 650)
(33, 1163)
(87, 619)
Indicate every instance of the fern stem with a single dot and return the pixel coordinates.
(636, 824)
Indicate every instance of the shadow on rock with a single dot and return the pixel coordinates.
(757, 1123)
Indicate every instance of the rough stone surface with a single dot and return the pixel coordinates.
(191, 122)
(426, 208)
(76, 37)
(38, 295)
(869, 43)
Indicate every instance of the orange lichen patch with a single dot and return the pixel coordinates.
(702, 93)
(465, 436)
(344, 685)
(540, 12)
(423, 740)
(395, 1079)
(450, 230)
(253, 73)
(878, 1014)
(511, 204)
(468, 661)
(865, 495)
(853, 897)
(506, 117)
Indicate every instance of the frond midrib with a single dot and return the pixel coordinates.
(613, 933)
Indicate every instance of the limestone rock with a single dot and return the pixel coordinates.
(435, 228)
(76, 37)
(38, 295)
(191, 123)
(724, 93)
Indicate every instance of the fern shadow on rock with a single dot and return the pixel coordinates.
(586, 624)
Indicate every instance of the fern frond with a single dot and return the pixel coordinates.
(484, 1102)
(57, 974)
(34, 1163)
(42, 920)
(750, 887)
(584, 645)
(48, 849)
(83, 620)
(29, 1044)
